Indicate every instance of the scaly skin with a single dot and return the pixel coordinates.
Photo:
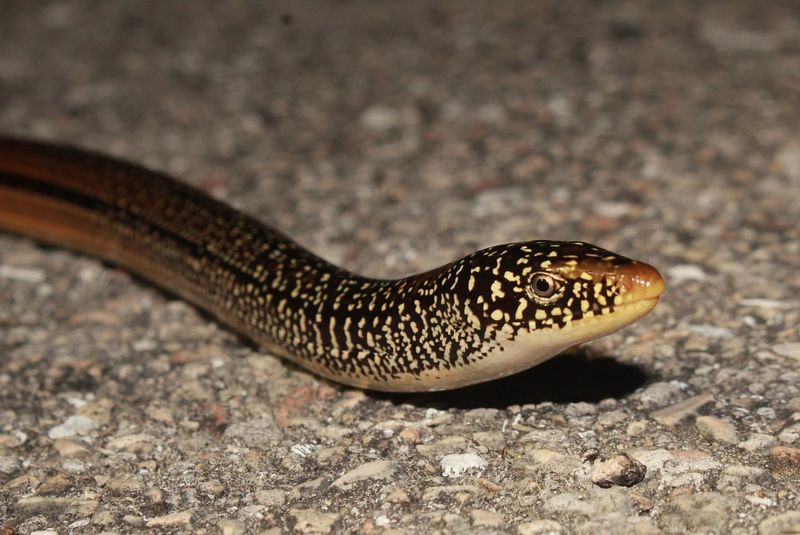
(490, 314)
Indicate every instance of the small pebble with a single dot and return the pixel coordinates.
(213, 488)
(540, 527)
(74, 425)
(46, 505)
(371, 470)
(443, 447)
(409, 434)
(124, 486)
(133, 520)
(313, 521)
(790, 350)
(492, 440)
(610, 419)
(660, 394)
(252, 511)
(55, 484)
(711, 331)
(719, 430)
(674, 414)
(398, 496)
(271, 497)
(458, 464)
(690, 460)
(231, 527)
(9, 467)
(182, 518)
(685, 272)
(28, 275)
(486, 519)
(765, 303)
(789, 159)
(620, 470)
(69, 448)
(303, 450)
(790, 434)
(758, 441)
(636, 428)
(132, 443)
(105, 518)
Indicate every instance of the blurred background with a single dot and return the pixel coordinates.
(397, 135)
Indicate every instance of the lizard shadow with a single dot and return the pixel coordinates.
(570, 377)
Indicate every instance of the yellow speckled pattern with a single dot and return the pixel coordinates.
(489, 314)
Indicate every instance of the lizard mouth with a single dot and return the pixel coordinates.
(637, 280)
(642, 287)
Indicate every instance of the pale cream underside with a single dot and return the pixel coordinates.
(518, 355)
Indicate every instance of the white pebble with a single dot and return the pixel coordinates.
(612, 209)
(144, 345)
(686, 272)
(303, 450)
(380, 118)
(76, 466)
(72, 426)
(457, 464)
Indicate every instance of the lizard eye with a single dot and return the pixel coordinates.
(543, 286)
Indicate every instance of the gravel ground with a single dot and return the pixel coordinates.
(392, 137)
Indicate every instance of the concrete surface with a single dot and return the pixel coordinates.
(391, 137)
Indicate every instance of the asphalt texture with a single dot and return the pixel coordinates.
(391, 137)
